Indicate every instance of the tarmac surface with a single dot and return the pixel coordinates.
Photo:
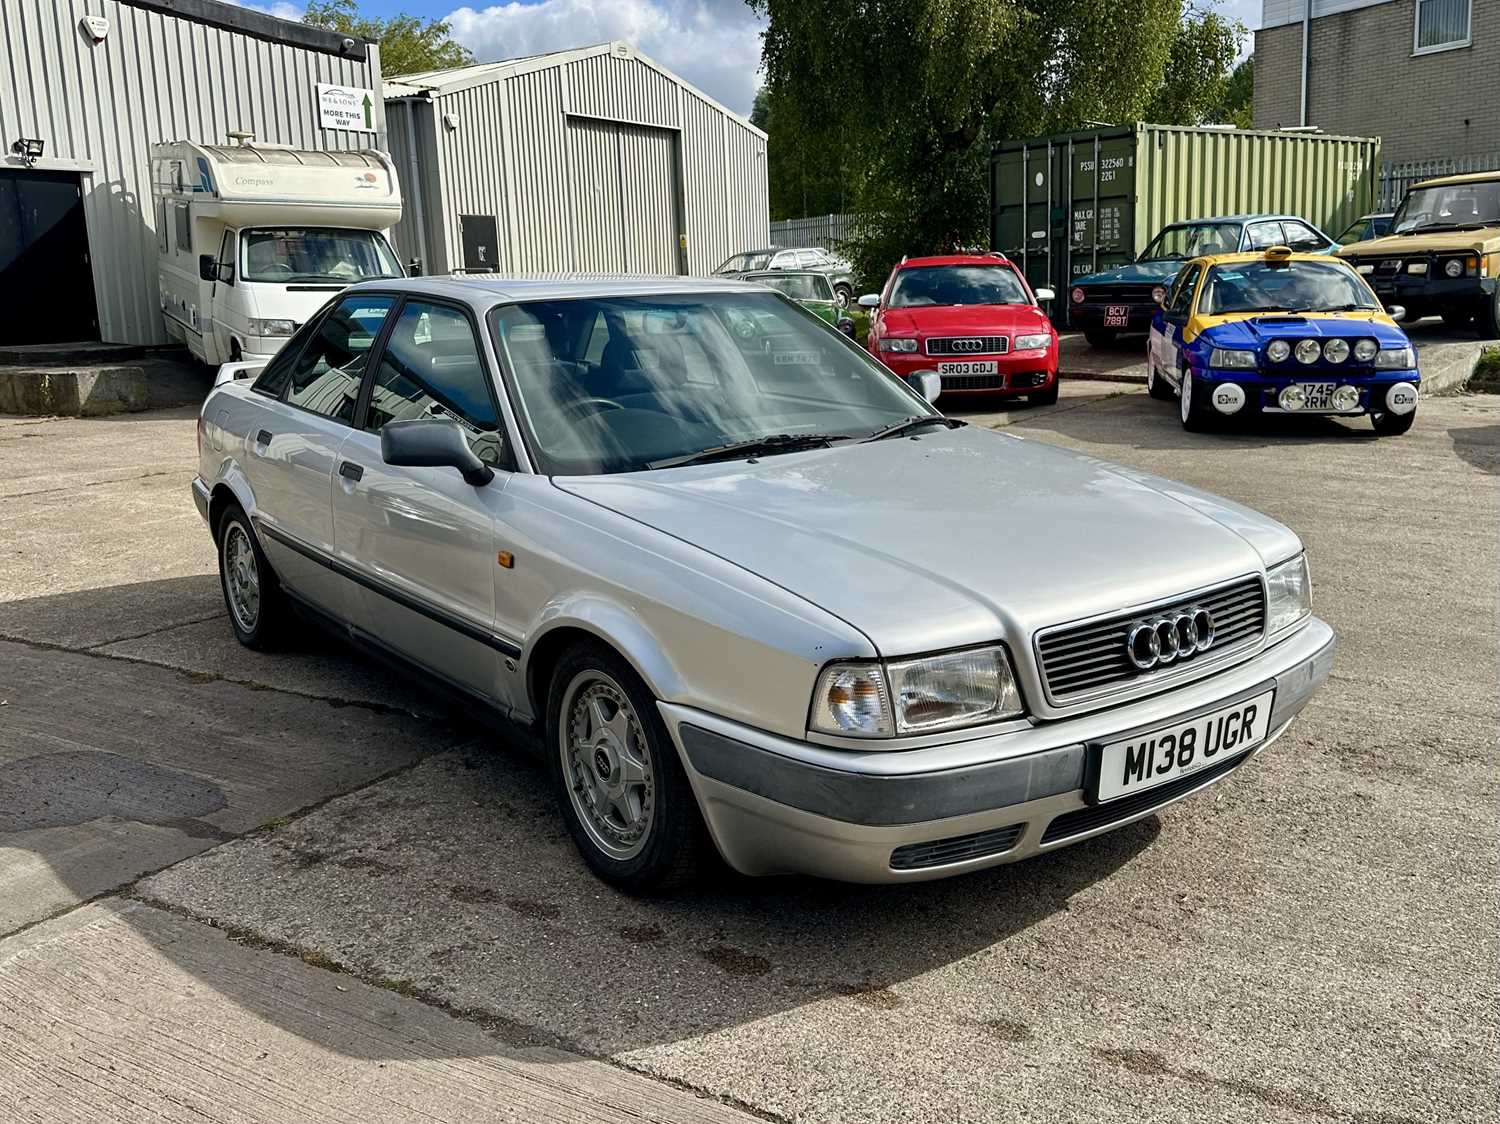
(250, 887)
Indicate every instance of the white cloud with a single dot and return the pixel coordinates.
(714, 44)
(279, 8)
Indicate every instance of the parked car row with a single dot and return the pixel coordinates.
(812, 259)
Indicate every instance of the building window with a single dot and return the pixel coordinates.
(1442, 24)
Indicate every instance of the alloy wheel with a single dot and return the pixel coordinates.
(241, 576)
(1187, 396)
(606, 765)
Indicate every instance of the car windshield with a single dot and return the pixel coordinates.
(798, 286)
(304, 253)
(1193, 240)
(740, 263)
(617, 384)
(1292, 286)
(957, 284)
(1449, 205)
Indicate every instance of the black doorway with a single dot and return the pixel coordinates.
(481, 249)
(46, 279)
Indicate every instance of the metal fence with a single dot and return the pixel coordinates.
(819, 230)
(1396, 178)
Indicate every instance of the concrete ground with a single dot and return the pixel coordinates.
(251, 887)
(1445, 355)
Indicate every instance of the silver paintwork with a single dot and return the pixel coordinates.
(729, 586)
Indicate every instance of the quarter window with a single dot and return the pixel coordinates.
(1182, 300)
(1264, 234)
(1442, 24)
(326, 376)
(431, 368)
(184, 229)
(1300, 236)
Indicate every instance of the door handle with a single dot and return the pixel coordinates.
(263, 437)
(351, 471)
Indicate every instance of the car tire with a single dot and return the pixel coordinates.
(1388, 424)
(1156, 386)
(844, 295)
(1047, 397)
(1193, 406)
(620, 786)
(1489, 316)
(1098, 337)
(257, 608)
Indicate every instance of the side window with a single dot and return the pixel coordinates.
(806, 258)
(184, 229)
(278, 372)
(226, 258)
(161, 226)
(1300, 236)
(1182, 300)
(325, 377)
(1264, 234)
(432, 368)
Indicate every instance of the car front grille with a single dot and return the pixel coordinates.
(973, 382)
(1078, 660)
(1102, 815)
(960, 848)
(968, 345)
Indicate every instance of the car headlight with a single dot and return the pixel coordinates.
(1336, 351)
(1158, 294)
(870, 700)
(1453, 267)
(898, 344)
(1232, 359)
(1308, 351)
(1395, 358)
(272, 327)
(1365, 268)
(1417, 268)
(1077, 296)
(1365, 350)
(1289, 594)
(1026, 343)
(1278, 351)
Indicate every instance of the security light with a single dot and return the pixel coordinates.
(29, 149)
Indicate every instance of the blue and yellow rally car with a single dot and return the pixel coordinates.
(1278, 332)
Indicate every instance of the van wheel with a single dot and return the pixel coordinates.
(258, 611)
(620, 786)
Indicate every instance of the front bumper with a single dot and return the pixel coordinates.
(1016, 372)
(777, 806)
(200, 497)
(1262, 390)
(1437, 292)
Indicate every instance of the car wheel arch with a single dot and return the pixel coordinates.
(595, 620)
(221, 496)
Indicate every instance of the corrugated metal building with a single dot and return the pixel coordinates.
(97, 82)
(590, 160)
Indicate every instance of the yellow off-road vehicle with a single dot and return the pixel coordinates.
(1442, 256)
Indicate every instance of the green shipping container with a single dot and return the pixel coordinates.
(1076, 203)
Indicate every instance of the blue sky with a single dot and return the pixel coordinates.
(714, 44)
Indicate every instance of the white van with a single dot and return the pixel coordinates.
(254, 238)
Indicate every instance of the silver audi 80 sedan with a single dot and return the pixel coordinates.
(761, 597)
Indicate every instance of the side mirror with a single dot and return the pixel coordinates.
(929, 384)
(1396, 312)
(235, 372)
(432, 443)
(1043, 295)
(208, 269)
(870, 300)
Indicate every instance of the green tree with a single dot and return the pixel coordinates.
(1196, 77)
(1235, 107)
(408, 45)
(806, 168)
(912, 93)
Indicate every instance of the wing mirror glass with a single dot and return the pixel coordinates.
(870, 300)
(432, 443)
(1045, 295)
(208, 269)
(1396, 312)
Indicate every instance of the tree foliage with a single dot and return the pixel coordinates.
(1235, 107)
(808, 169)
(912, 93)
(408, 45)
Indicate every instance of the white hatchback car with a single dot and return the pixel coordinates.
(761, 597)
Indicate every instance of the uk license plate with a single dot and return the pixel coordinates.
(1319, 395)
(1116, 315)
(969, 367)
(1158, 756)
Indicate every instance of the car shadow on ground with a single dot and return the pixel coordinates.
(451, 879)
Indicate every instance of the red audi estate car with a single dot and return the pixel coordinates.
(972, 319)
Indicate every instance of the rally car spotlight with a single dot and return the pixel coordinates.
(1365, 350)
(1228, 397)
(1346, 398)
(1336, 351)
(1278, 351)
(1401, 398)
(1293, 397)
(1308, 352)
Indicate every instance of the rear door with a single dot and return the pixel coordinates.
(292, 449)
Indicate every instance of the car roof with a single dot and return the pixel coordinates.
(753, 274)
(956, 259)
(485, 289)
(1234, 219)
(1467, 177)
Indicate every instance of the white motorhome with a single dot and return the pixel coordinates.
(254, 238)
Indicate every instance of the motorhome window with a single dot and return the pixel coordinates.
(298, 254)
(326, 376)
(161, 226)
(226, 258)
(184, 229)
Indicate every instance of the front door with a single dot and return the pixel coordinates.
(481, 243)
(46, 277)
(422, 539)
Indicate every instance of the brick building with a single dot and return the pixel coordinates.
(1420, 74)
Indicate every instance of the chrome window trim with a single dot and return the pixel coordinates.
(1157, 680)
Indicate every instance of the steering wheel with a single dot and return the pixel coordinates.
(578, 405)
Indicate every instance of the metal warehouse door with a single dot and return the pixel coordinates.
(46, 279)
(625, 193)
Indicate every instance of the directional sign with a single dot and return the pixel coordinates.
(346, 107)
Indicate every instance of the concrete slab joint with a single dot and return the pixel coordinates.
(76, 392)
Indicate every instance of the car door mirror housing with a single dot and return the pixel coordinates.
(870, 300)
(1045, 294)
(1396, 312)
(208, 269)
(432, 443)
(929, 384)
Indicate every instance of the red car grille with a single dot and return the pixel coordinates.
(968, 345)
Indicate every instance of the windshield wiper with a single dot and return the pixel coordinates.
(770, 443)
(1442, 226)
(1337, 308)
(916, 421)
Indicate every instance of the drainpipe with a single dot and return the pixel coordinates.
(1306, 43)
